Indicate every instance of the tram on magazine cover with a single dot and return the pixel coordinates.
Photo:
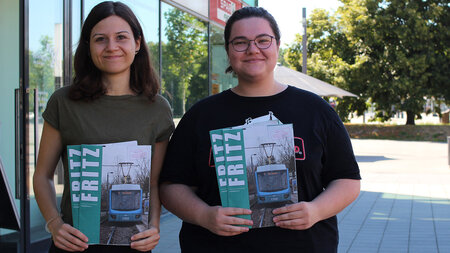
(125, 203)
(272, 183)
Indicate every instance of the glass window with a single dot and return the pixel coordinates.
(272, 181)
(220, 81)
(250, 2)
(9, 73)
(184, 59)
(76, 24)
(45, 63)
(199, 6)
(45, 68)
(125, 200)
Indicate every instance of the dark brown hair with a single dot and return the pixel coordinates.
(249, 12)
(87, 84)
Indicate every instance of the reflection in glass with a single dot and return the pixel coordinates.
(76, 25)
(250, 2)
(45, 68)
(219, 61)
(185, 59)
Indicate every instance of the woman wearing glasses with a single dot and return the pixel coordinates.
(328, 175)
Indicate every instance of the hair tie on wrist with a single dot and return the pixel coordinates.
(50, 221)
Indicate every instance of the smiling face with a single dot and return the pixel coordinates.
(113, 46)
(253, 64)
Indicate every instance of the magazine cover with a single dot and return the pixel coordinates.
(219, 161)
(74, 163)
(264, 154)
(117, 177)
(271, 171)
(237, 185)
(89, 208)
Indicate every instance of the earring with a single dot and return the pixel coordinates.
(136, 52)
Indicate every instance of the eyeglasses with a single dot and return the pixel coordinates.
(241, 44)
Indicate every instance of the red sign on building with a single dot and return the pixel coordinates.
(221, 10)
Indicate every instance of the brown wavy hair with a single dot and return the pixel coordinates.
(87, 84)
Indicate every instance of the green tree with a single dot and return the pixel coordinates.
(331, 58)
(392, 53)
(41, 69)
(406, 43)
(154, 54)
(185, 67)
(281, 59)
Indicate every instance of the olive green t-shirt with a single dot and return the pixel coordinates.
(107, 119)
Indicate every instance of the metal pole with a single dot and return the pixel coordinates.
(67, 45)
(24, 175)
(160, 45)
(304, 39)
(253, 164)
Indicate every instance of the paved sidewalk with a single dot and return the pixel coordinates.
(170, 227)
(404, 205)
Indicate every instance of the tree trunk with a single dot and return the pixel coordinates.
(183, 101)
(410, 118)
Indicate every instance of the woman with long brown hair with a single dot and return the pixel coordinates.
(114, 98)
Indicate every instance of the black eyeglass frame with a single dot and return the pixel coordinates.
(254, 41)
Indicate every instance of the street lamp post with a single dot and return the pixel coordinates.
(251, 161)
(107, 179)
(107, 186)
(304, 39)
(253, 167)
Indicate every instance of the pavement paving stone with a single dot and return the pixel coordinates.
(404, 204)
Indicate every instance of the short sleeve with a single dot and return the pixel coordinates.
(340, 162)
(165, 124)
(179, 162)
(51, 112)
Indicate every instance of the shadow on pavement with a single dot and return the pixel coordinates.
(371, 158)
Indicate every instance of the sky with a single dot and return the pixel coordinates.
(288, 14)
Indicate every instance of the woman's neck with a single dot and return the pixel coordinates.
(258, 88)
(117, 85)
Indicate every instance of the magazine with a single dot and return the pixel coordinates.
(110, 190)
(255, 166)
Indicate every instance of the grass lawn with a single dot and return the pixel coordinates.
(436, 133)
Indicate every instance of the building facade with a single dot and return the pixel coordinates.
(40, 37)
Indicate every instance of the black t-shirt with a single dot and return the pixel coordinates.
(323, 154)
